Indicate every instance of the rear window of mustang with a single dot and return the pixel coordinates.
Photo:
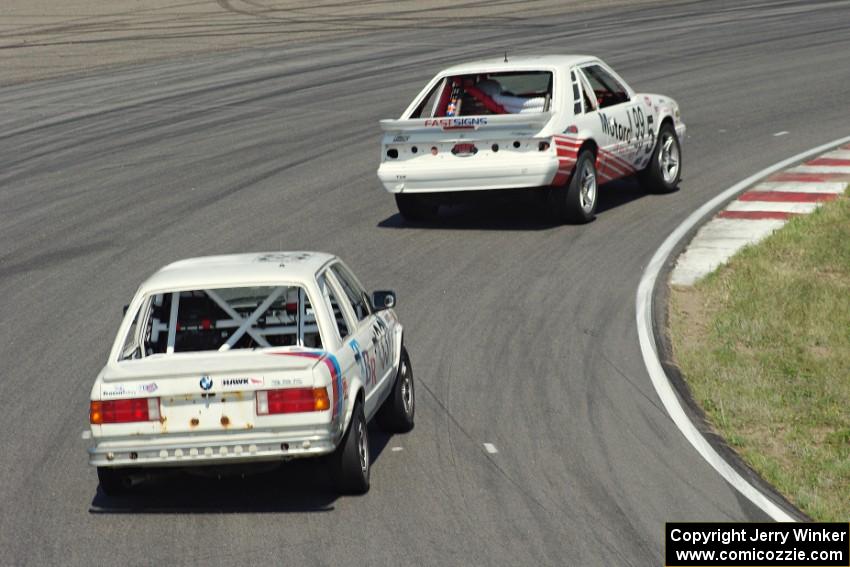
(222, 319)
(516, 92)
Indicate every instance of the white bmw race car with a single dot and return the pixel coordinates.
(250, 358)
(560, 122)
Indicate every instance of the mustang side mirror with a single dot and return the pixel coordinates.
(126, 307)
(383, 300)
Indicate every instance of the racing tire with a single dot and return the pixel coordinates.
(662, 173)
(351, 461)
(576, 202)
(416, 207)
(114, 482)
(397, 411)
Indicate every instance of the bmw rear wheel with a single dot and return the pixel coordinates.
(351, 461)
(396, 413)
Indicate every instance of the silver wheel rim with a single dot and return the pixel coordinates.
(363, 446)
(406, 389)
(587, 189)
(668, 158)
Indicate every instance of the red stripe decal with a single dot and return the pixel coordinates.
(620, 163)
(626, 166)
(788, 196)
(608, 173)
(756, 215)
(612, 169)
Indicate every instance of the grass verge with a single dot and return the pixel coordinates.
(764, 345)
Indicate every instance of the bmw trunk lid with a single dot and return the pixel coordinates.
(205, 392)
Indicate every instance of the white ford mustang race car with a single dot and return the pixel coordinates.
(559, 122)
(250, 358)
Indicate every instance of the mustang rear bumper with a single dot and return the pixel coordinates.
(465, 174)
(242, 447)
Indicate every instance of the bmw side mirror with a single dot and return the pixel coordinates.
(383, 300)
(126, 307)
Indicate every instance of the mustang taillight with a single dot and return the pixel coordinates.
(124, 411)
(292, 400)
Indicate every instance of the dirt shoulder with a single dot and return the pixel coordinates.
(45, 38)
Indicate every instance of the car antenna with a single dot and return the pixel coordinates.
(506, 56)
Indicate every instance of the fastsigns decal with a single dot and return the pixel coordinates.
(456, 123)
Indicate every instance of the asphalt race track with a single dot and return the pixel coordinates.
(522, 334)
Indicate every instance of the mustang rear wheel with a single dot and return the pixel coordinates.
(396, 413)
(416, 207)
(351, 461)
(664, 169)
(576, 202)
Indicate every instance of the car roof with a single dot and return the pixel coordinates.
(235, 270)
(519, 62)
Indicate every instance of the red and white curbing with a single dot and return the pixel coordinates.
(761, 210)
(777, 509)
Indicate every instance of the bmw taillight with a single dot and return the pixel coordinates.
(292, 400)
(124, 411)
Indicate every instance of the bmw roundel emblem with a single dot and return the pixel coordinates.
(206, 382)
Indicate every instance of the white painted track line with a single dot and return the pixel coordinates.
(801, 187)
(490, 448)
(774, 207)
(646, 337)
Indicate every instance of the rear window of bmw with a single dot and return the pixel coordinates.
(222, 319)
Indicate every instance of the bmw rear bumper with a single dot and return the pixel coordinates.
(242, 447)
